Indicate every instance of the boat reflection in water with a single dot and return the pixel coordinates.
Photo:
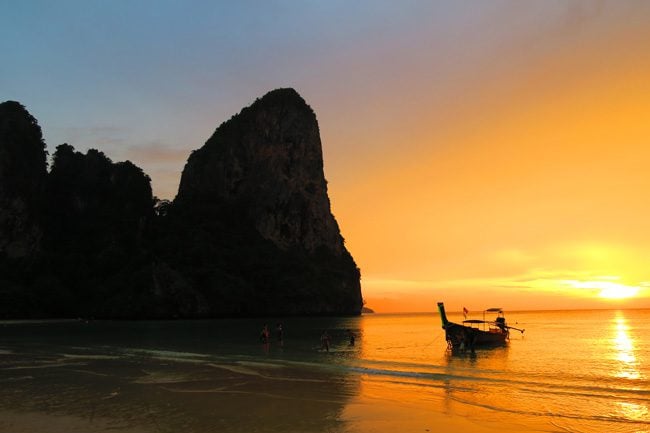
(476, 333)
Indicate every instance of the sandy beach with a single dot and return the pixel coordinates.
(378, 419)
(227, 397)
(33, 422)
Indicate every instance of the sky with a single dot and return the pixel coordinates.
(480, 153)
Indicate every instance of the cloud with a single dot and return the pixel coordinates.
(158, 152)
(163, 162)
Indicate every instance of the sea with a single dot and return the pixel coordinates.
(568, 371)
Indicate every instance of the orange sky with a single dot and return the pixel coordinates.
(477, 153)
(531, 191)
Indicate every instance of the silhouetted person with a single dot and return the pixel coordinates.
(264, 335)
(351, 336)
(463, 340)
(265, 338)
(471, 342)
(325, 341)
(279, 333)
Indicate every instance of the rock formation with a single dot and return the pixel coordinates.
(98, 214)
(266, 165)
(22, 175)
(255, 196)
(249, 233)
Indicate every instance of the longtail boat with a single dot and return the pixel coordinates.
(476, 333)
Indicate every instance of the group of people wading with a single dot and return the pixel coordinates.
(325, 339)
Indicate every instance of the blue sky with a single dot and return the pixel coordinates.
(132, 77)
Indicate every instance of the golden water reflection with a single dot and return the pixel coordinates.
(634, 411)
(624, 347)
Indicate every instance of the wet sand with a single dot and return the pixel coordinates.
(37, 422)
(379, 419)
(223, 397)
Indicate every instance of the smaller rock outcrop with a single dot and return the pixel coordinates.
(97, 221)
(96, 204)
(23, 169)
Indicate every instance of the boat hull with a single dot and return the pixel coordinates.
(459, 336)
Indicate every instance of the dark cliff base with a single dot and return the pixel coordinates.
(249, 234)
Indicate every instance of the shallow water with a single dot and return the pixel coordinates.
(578, 371)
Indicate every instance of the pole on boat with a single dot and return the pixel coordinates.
(516, 329)
(443, 315)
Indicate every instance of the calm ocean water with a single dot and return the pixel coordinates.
(577, 371)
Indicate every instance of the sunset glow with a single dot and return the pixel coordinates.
(325, 216)
(480, 153)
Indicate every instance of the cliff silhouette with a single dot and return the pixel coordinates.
(250, 232)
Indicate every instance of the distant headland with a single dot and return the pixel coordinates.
(250, 232)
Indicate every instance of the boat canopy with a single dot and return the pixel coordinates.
(494, 310)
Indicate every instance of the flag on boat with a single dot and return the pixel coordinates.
(465, 311)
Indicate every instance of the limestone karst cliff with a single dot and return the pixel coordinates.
(266, 165)
(255, 195)
(249, 233)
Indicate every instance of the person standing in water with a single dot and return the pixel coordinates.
(264, 338)
(351, 336)
(279, 333)
(264, 335)
(325, 341)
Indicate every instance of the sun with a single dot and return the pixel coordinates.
(605, 289)
(617, 291)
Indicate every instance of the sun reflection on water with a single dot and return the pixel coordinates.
(624, 349)
(633, 411)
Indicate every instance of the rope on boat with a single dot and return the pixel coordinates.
(432, 341)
